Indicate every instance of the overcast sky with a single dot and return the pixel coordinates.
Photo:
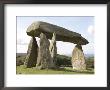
(82, 25)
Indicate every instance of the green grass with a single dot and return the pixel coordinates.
(62, 61)
(65, 70)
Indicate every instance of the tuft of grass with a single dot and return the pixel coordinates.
(64, 62)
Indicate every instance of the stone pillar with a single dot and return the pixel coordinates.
(78, 59)
(53, 49)
(32, 53)
(44, 57)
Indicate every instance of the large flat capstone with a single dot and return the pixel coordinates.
(62, 34)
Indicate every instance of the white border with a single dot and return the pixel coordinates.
(96, 80)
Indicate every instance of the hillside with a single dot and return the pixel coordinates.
(62, 60)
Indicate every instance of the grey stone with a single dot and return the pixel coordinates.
(32, 53)
(78, 59)
(62, 34)
(53, 49)
(44, 58)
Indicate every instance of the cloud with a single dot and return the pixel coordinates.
(65, 48)
(21, 42)
(22, 48)
(89, 48)
(25, 40)
(91, 30)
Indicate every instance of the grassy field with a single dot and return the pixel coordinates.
(64, 63)
(65, 70)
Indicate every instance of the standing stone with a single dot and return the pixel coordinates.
(78, 59)
(53, 49)
(44, 57)
(32, 53)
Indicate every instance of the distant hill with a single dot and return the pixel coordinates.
(89, 55)
(86, 55)
(62, 60)
(20, 54)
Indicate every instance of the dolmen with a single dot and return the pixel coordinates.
(44, 56)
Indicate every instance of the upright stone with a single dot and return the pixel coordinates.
(44, 57)
(32, 53)
(78, 59)
(53, 49)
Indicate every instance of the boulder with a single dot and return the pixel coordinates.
(78, 59)
(62, 34)
(32, 53)
(53, 49)
(44, 60)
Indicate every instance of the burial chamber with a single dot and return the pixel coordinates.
(62, 34)
(44, 56)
